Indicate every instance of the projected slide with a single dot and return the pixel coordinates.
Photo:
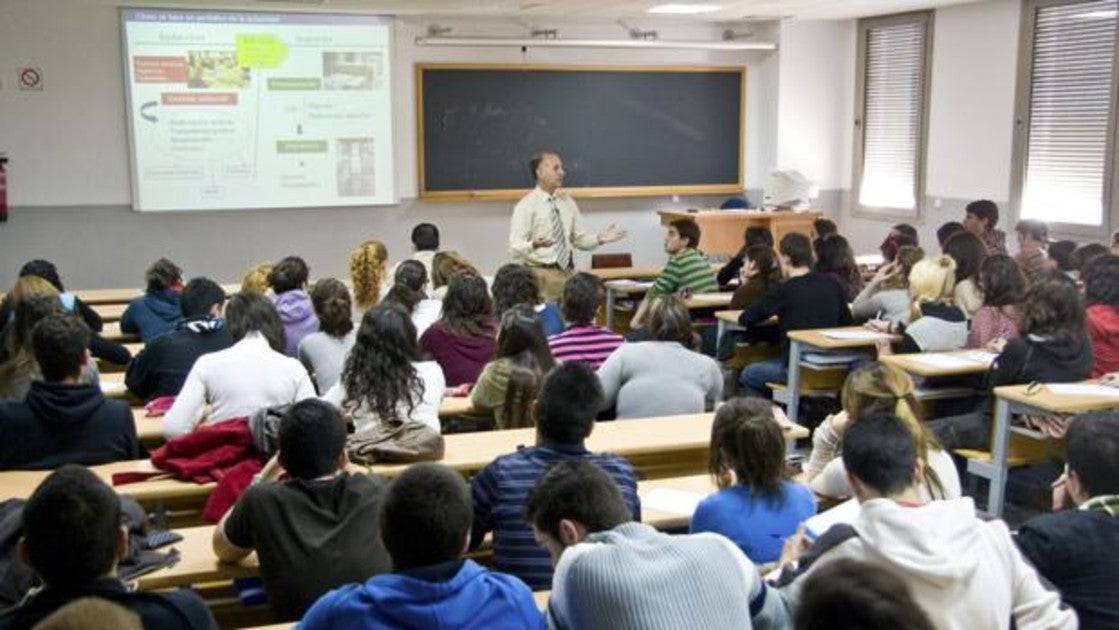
(258, 110)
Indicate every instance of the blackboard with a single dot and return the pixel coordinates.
(620, 131)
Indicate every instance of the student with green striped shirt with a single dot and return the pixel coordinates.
(687, 267)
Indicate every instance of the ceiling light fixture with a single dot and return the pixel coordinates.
(684, 9)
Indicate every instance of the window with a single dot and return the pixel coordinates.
(1064, 143)
(891, 105)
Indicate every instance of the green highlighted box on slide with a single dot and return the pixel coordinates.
(295, 83)
(260, 50)
(301, 146)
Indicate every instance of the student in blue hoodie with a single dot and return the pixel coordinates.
(157, 311)
(63, 421)
(425, 524)
(288, 280)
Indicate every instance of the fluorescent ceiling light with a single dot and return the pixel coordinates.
(684, 9)
(593, 43)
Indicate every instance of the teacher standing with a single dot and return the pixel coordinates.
(547, 227)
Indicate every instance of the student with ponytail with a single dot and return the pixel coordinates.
(368, 267)
(935, 324)
(323, 353)
(876, 388)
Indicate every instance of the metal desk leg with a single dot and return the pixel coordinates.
(1000, 442)
(720, 330)
(793, 380)
(610, 299)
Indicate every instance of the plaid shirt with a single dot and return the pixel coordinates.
(1104, 503)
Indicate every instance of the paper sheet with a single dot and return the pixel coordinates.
(712, 297)
(626, 284)
(979, 356)
(845, 512)
(673, 501)
(852, 334)
(943, 361)
(112, 387)
(1083, 389)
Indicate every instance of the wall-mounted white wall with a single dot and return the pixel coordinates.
(69, 174)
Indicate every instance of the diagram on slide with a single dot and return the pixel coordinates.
(236, 110)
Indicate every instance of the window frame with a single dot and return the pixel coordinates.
(1021, 124)
(926, 19)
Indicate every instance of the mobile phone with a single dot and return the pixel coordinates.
(162, 538)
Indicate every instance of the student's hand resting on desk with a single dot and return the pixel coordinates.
(459, 391)
(1111, 379)
(879, 325)
(996, 345)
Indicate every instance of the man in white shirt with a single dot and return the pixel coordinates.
(547, 226)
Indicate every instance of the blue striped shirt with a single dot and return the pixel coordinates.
(500, 491)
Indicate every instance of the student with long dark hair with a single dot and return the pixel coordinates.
(968, 251)
(755, 235)
(1003, 284)
(836, 261)
(410, 291)
(386, 379)
(324, 352)
(1101, 294)
(1052, 347)
(463, 340)
(509, 384)
(251, 374)
(157, 311)
(757, 506)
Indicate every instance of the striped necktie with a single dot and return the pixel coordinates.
(559, 237)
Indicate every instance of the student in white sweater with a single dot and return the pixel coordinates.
(877, 388)
(385, 379)
(661, 376)
(964, 573)
(250, 375)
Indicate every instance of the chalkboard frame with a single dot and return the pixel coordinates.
(584, 191)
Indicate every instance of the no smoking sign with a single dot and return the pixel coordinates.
(29, 78)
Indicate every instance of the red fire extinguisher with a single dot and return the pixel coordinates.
(3, 190)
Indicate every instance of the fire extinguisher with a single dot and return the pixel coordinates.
(3, 190)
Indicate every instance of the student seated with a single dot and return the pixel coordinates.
(61, 420)
(1077, 548)
(73, 537)
(369, 263)
(935, 324)
(424, 524)
(324, 352)
(687, 267)
(516, 284)
(464, 339)
(836, 261)
(157, 311)
(870, 389)
(663, 375)
(162, 366)
(947, 231)
(288, 281)
(569, 400)
(1052, 347)
(255, 279)
(886, 296)
(761, 274)
(444, 267)
(963, 572)
(1033, 241)
(807, 299)
(249, 375)
(757, 506)
(1002, 283)
(582, 340)
(857, 595)
(968, 252)
(385, 380)
(410, 292)
(317, 528)
(509, 384)
(1060, 252)
(901, 235)
(32, 298)
(425, 245)
(754, 236)
(615, 573)
(980, 218)
(1085, 254)
(1101, 294)
(821, 229)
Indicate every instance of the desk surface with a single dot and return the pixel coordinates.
(956, 363)
(112, 332)
(1046, 399)
(730, 317)
(110, 312)
(198, 563)
(817, 339)
(626, 273)
(124, 296)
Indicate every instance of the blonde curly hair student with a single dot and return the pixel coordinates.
(935, 324)
(255, 279)
(871, 389)
(368, 267)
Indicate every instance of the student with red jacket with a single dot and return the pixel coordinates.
(1101, 294)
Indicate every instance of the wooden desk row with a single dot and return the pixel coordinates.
(198, 563)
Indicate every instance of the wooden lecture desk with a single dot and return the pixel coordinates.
(198, 564)
(110, 312)
(112, 332)
(126, 295)
(923, 366)
(1066, 398)
(721, 230)
(821, 340)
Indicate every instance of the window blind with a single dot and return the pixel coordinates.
(1069, 109)
(892, 117)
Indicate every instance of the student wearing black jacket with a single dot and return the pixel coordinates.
(61, 420)
(755, 235)
(162, 367)
(1053, 347)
